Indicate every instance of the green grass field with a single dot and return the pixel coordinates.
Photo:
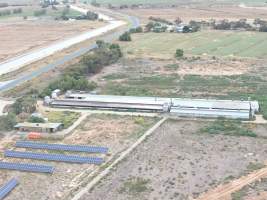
(217, 43)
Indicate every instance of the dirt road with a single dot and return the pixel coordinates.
(223, 192)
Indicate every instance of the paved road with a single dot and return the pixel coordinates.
(28, 58)
(134, 22)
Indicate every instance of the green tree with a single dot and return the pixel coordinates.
(136, 30)
(149, 26)
(125, 36)
(34, 119)
(25, 104)
(7, 122)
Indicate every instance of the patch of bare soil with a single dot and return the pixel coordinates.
(215, 67)
(180, 163)
(114, 132)
(21, 36)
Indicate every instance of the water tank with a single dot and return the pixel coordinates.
(255, 106)
(47, 100)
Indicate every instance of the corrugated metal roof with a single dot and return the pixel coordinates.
(211, 113)
(216, 104)
(38, 125)
(120, 99)
(112, 105)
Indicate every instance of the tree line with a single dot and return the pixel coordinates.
(9, 12)
(76, 78)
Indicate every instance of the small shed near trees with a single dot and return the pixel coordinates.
(39, 127)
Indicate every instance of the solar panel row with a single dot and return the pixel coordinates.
(54, 157)
(61, 147)
(26, 167)
(7, 188)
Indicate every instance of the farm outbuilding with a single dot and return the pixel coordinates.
(39, 127)
(176, 106)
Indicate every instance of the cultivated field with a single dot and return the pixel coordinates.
(217, 43)
(114, 132)
(22, 36)
(199, 12)
(179, 162)
(119, 2)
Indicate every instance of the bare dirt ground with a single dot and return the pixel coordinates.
(178, 162)
(17, 37)
(111, 131)
(216, 67)
(199, 13)
(202, 66)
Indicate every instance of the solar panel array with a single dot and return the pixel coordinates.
(61, 147)
(27, 167)
(54, 157)
(7, 188)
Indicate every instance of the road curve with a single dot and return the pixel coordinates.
(134, 22)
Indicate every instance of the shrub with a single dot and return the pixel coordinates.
(179, 53)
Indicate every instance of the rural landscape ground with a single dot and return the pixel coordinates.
(151, 156)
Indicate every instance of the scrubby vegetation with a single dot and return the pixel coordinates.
(67, 118)
(135, 186)
(225, 127)
(38, 13)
